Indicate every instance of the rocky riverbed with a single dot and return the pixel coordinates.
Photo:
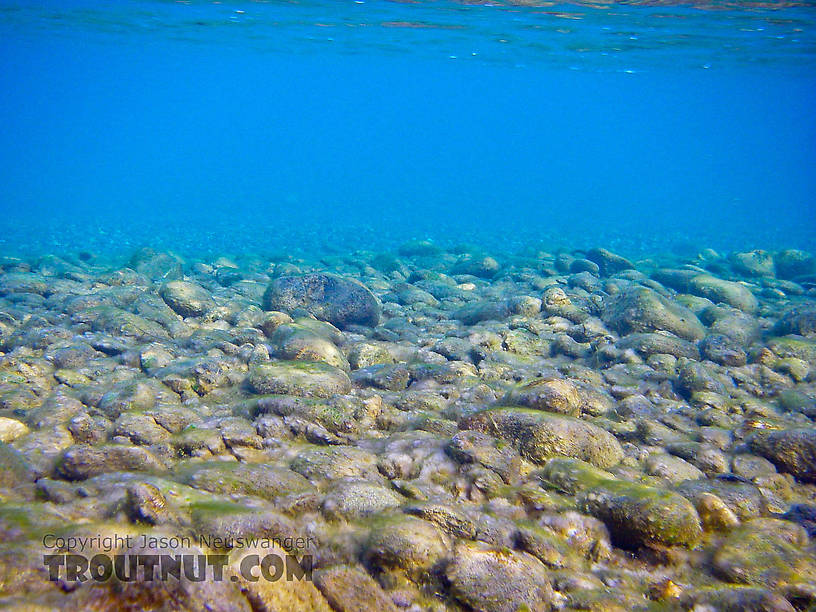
(424, 429)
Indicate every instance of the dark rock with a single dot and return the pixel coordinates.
(338, 300)
(483, 267)
(799, 320)
(639, 309)
(791, 450)
(608, 262)
(81, 461)
(723, 350)
(792, 263)
(659, 343)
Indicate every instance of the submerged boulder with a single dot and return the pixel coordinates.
(636, 514)
(553, 395)
(718, 290)
(186, 299)
(301, 378)
(156, 266)
(260, 480)
(753, 263)
(608, 262)
(405, 545)
(799, 320)
(792, 450)
(82, 461)
(766, 552)
(492, 580)
(792, 263)
(497, 310)
(639, 309)
(297, 342)
(340, 301)
(349, 589)
(540, 435)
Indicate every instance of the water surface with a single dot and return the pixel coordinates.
(266, 125)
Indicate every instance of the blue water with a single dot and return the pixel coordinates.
(249, 126)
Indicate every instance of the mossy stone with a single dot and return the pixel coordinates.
(791, 450)
(539, 435)
(259, 480)
(639, 309)
(765, 552)
(636, 514)
(301, 378)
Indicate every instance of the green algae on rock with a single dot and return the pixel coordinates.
(435, 459)
(259, 480)
(639, 309)
(557, 395)
(541, 435)
(405, 545)
(766, 552)
(792, 450)
(636, 514)
(301, 378)
(296, 341)
(83, 461)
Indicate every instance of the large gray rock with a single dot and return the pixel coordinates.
(81, 461)
(639, 309)
(718, 290)
(608, 262)
(799, 320)
(792, 263)
(636, 514)
(299, 343)
(156, 266)
(301, 378)
(336, 299)
(498, 580)
(186, 299)
(497, 310)
(791, 450)
(659, 343)
(540, 435)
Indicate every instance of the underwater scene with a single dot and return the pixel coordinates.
(422, 306)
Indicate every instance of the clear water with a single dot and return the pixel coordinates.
(268, 126)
